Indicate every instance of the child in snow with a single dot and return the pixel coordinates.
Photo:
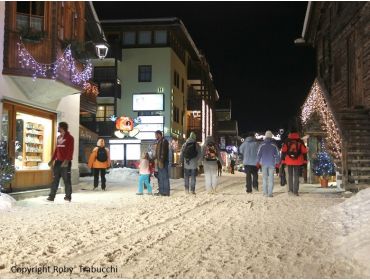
(144, 172)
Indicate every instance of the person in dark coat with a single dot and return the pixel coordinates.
(219, 168)
(161, 155)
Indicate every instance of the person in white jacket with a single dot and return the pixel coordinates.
(210, 155)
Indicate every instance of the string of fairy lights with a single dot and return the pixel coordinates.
(65, 62)
(316, 102)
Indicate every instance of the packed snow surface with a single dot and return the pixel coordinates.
(230, 234)
(6, 202)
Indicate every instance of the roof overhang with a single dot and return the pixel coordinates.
(306, 19)
(42, 91)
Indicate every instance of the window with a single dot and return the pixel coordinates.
(145, 73)
(129, 38)
(160, 37)
(176, 114)
(176, 79)
(33, 142)
(145, 37)
(104, 112)
(182, 85)
(30, 15)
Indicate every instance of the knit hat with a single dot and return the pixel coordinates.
(193, 136)
(268, 134)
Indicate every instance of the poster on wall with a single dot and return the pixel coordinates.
(147, 102)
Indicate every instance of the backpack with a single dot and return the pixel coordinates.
(101, 155)
(190, 150)
(293, 148)
(210, 153)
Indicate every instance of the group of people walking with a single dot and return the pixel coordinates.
(265, 156)
(191, 156)
(268, 157)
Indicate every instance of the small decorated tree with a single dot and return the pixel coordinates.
(323, 165)
(6, 167)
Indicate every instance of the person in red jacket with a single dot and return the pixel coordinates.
(294, 155)
(62, 156)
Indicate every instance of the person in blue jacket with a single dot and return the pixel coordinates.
(249, 150)
(268, 157)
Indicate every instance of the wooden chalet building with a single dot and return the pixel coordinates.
(42, 82)
(337, 107)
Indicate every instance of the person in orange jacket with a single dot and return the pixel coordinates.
(294, 155)
(100, 160)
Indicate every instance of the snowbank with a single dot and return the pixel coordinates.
(353, 224)
(122, 174)
(6, 202)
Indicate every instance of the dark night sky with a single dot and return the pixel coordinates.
(250, 49)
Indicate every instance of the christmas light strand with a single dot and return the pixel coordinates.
(316, 102)
(65, 62)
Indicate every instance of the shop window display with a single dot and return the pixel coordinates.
(33, 142)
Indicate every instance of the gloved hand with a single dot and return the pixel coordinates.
(64, 163)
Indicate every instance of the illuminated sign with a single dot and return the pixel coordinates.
(126, 126)
(116, 152)
(133, 151)
(151, 119)
(147, 102)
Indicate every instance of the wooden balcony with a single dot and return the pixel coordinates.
(44, 44)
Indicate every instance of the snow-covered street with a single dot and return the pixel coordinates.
(230, 234)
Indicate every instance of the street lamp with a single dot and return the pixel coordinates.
(101, 49)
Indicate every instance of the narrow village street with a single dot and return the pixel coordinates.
(230, 234)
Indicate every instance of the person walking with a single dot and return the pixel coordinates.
(268, 157)
(219, 168)
(210, 154)
(99, 160)
(62, 163)
(190, 154)
(232, 165)
(294, 155)
(249, 150)
(161, 155)
(144, 172)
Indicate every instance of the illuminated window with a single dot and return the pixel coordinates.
(33, 142)
(145, 73)
(104, 112)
